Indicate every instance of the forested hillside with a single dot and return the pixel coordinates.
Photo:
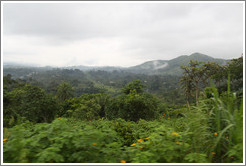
(172, 67)
(186, 110)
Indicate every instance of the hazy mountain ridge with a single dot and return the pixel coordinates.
(172, 67)
(155, 67)
(88, 68)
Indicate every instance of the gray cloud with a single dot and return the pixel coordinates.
(121, 34)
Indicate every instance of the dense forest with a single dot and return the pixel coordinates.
(55, 115)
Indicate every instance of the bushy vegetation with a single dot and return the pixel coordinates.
(129, 126)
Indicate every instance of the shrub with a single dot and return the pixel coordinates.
(133, 107)
(61, 141)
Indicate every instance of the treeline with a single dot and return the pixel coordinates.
(27, 102)
(92, 82)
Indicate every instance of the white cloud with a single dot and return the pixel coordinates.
(119, 34)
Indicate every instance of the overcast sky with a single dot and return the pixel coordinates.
(119, 34)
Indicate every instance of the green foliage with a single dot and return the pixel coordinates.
(197, 128)
(175, 112)
(163, 145)
(196, 158)
(134, 85)
(84, 107)
(198, 75)
(186, 139)
(61, 141)
(190, 79)
(235, 68)
(223, 119)
(9, 83)
(64, 91)
(124, 130)
(87, 106)
(133, 106)
(93, 82)
(29, 102)
(93, 142)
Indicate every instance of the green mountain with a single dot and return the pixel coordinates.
(171, 67)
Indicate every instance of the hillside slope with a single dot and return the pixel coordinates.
(171, 67)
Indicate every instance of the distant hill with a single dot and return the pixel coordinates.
(88, 68)
(172, 67)
(17, 65)
(155, 67)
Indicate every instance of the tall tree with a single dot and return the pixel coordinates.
(235, 68)
(210, 69)
(187, 86)
(134, 85)
(33, 103)
(64, 91)
(192, 75)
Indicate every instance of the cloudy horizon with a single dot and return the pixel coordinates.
(119, 34)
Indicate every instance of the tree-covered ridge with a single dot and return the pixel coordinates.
(155, 67)
(71, 116)
(172, 67)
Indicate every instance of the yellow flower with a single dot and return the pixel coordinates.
(174, 133)
(147, 138)
(227, 137)
(59, 118)
(213, 153)
(94, 143)
(5, 139)
(123, 161)
(138, 143)
(133, 144)
(215, 133)
(140, 140)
